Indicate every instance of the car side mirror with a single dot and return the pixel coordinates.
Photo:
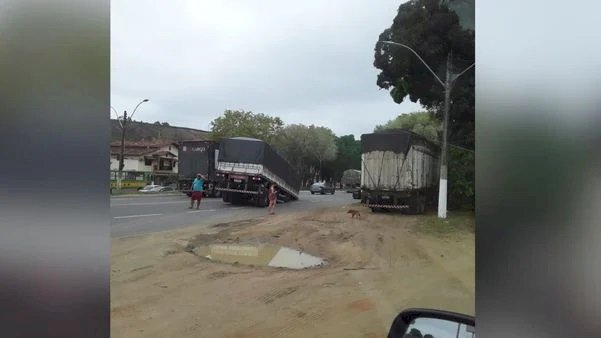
(427, 323)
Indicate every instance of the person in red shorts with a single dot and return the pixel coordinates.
(197, 189)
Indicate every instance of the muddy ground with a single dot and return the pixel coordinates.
(377, 265)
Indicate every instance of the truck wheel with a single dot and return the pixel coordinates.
(312, 192)
(261, 201)
(416, 205)
(236, 198)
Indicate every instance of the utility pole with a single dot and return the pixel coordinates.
(442, 188)
(123, 124)
(121, 160)
(447, 86)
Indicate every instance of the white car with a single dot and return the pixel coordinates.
(322, 188)
(152, 188)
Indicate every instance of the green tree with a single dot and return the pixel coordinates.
(323, 146)
(349, 157)
(240, 123)
(421, 123)
(433, 31)
(306, 146)
(293, 144)
(461, 178)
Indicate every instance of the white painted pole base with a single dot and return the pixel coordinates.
(442, 199)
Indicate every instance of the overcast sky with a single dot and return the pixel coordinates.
(307, 62)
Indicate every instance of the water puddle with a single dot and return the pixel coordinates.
(261, 255)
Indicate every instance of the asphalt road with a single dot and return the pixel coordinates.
(136, 215)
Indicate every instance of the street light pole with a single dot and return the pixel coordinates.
(447, 86)
(443, 184)
(122, 150)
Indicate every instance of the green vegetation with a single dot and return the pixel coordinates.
(433, 30)
(456, 222)
(421, 123)
(240, 123)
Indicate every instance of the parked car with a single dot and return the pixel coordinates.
(153, 188)
(170, 187)
(322, 188)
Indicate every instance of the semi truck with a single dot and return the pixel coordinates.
(399, 171)
(198, 157)
(248, 166)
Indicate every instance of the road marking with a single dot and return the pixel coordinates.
(150, 203)
(193, 211)
(154, 203)
(236, 208)
(132, 216)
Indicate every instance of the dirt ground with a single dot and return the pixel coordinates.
(377, 266)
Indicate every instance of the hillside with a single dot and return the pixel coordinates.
(141, 131)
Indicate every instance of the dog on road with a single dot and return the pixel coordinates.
(354, 213)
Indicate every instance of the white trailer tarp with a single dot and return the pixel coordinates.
(389, 170)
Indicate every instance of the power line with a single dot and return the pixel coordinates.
(459, 147)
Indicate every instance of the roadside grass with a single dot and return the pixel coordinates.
(456, 222)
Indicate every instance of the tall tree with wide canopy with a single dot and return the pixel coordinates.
(306, 147)
(433, 30)
(236, 123)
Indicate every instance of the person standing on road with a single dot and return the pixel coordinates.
(197, 189)
(273, 199)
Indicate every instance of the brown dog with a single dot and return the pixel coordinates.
(354, 213)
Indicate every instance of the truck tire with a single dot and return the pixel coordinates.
(261, 200)
(417, 205)
(236, 198)
(312, 192)
(226, 197)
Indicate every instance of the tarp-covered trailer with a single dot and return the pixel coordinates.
(399, 170)
(198, 157)
(248, 166)
(351, 178)
(351, 181)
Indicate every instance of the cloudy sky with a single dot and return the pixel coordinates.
(307, 62)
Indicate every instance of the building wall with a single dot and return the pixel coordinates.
(172, 148)
(137, 163)
(130, 164)
(142, 165)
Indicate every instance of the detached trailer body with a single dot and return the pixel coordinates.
(248, 167)
(351, 179)
(400, 170)
(198, 157)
